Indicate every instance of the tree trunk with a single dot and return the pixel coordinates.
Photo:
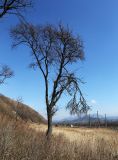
(49, 130)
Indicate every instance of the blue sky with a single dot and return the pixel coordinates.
(96, 21)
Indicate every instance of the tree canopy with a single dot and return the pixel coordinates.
(13, 6)
(5, 73)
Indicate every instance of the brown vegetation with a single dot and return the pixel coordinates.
(18, 141)
(19, 110)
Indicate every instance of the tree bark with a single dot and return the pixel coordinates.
(49, 130)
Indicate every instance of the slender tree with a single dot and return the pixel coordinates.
(5, 73)
(13, 6)
(54, 50)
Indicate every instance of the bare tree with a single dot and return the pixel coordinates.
(13, 6)
(5, 73)
(54, 50)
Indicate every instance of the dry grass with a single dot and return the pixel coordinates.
(23, 141)
(100, 143)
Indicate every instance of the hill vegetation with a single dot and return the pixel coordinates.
(18, 110)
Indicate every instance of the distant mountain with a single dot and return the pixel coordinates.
(86, 119)
(113, 118)
(19, 110)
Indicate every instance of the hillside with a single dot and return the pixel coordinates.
(19, 110)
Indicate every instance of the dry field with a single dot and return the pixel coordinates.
(22, 141)
(99, 141)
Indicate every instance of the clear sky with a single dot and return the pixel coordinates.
(96, 21)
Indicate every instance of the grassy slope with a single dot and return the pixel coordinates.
(19, 110)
